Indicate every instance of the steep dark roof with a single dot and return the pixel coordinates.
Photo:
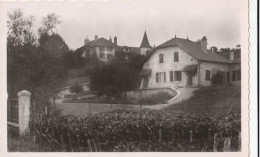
(192, 48)
(145, 42)
(100, 42)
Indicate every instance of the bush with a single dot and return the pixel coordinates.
(118, 128)
(217, 79)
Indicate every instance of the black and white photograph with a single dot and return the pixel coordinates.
(126, 76)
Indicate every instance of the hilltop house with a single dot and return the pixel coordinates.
(103, 48)
(106, 49)
(184, 63)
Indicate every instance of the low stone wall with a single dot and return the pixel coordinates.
(148, 92)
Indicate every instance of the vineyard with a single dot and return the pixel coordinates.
(132, 130)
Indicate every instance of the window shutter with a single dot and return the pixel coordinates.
(171, 76)
(157, 77)
(179, 75)
(164, 76)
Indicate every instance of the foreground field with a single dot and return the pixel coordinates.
(148, 130)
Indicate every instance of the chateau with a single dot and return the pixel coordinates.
(106, 50)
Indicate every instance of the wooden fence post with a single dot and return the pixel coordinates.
(62, 143)
(190, 136)
(160, 134)
(94, 145)
(89, 145)
(215, 144)
(71, 148)
(79, 143)
(239, 141)
(209, 134)
(226, 145)
(99, 147)
(41, 123)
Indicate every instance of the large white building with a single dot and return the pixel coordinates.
(184, 63)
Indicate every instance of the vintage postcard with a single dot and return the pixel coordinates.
(101, 77)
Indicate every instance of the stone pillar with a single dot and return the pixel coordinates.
(24, 103)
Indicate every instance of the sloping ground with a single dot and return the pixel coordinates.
(79, 80)
(212, 99)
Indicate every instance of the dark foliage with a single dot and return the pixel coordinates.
(217, 79)
(117, 129)
(114, 79)
(76, 88)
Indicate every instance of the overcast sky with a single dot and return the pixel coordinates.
(218, 20)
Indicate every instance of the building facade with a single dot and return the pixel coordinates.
(105, 49)
(184, 63)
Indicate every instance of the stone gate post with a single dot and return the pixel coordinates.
(24, 104)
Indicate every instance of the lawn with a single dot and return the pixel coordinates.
(83, 109)
(225, 98)
(158, 98)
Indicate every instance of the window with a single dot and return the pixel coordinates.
(109, 56)
(171, 76)
(233, 75)
(239, 75)
(101, 55)
(207, 75)
(161, 58)
(176, 57)
(177, 75)
(161, 77)
(236, 75)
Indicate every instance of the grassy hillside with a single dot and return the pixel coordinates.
(226, 98)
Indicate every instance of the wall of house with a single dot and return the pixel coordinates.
(214, 68)
(169, 65)
(104, 50)
(144, 50)
(234, 66)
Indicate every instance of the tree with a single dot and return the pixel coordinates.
(49, 24)
(76, 88)
(33, 64)
(112, 79)
(214, 49)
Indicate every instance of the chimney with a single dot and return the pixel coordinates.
(86, 40)
(110, 39)
(203, 44)
(96, 37)
(115, 40)
(231, 55)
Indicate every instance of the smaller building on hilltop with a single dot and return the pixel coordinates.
(104, 49)
(107, 49)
